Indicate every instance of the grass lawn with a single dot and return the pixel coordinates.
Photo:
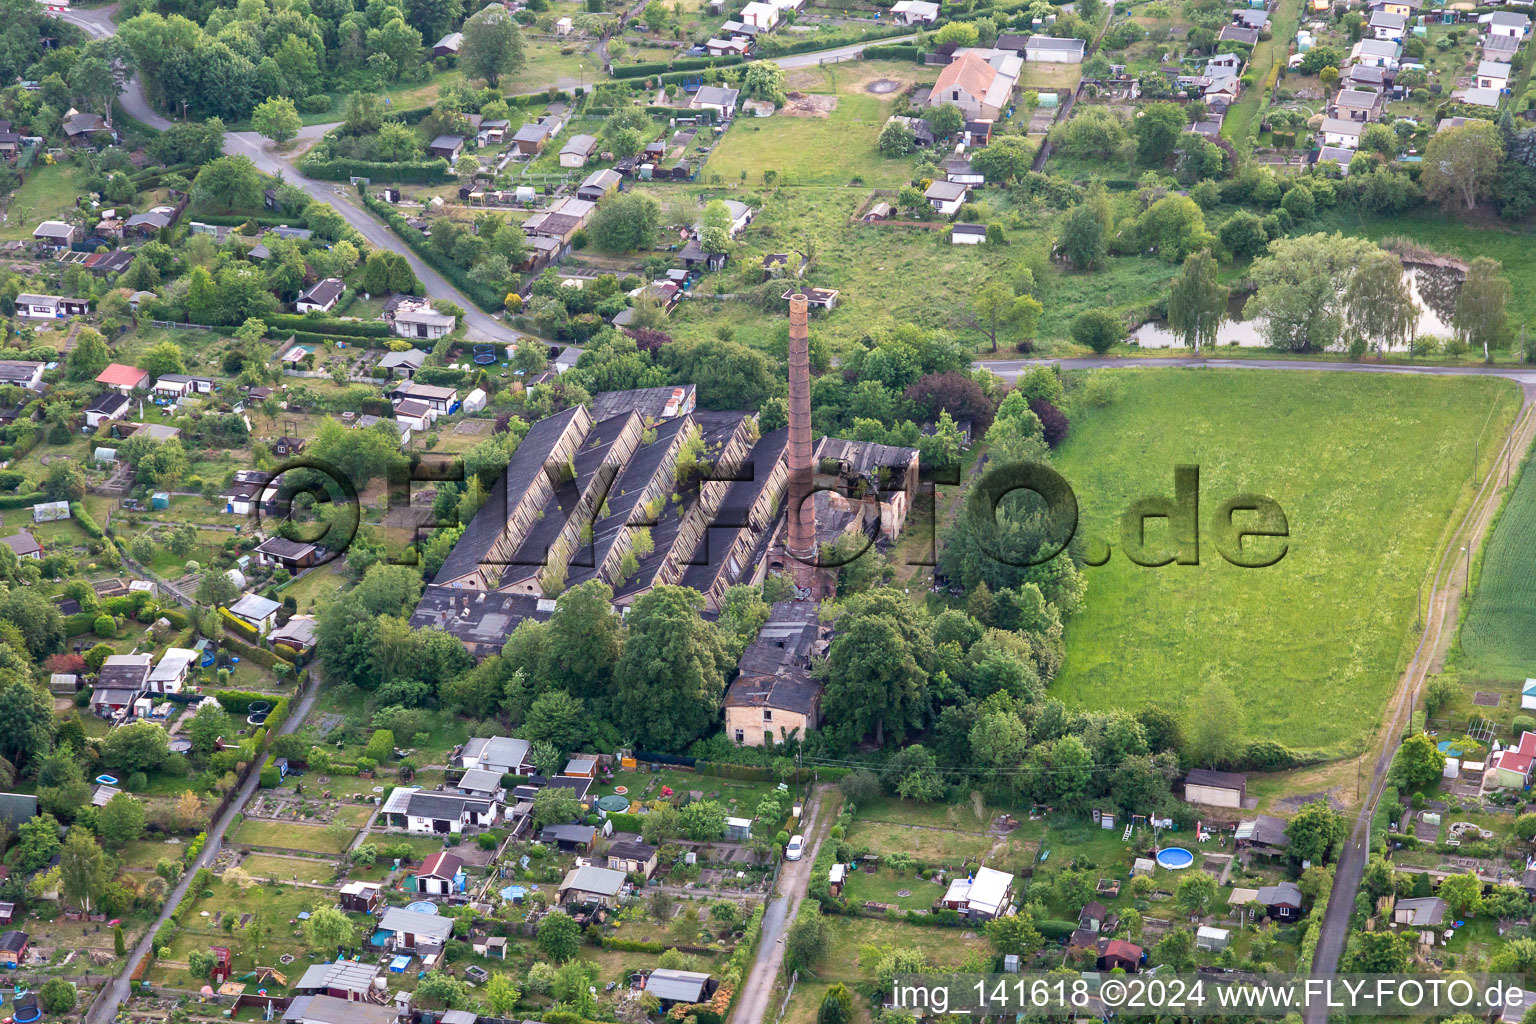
(262, 865)
(1366, 509)
(49, 192)
(291, 836)
(1235, 126)
(929, 845)
(317, 583)
(833, 149)
(1498, 635)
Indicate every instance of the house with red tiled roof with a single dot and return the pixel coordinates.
(123, 378)
(969, 82)
(1511, 767)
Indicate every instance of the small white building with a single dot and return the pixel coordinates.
(258, 612)
(1492, 74)
(321, 297)
(915, 12)
(169, 675)
(946, 197)
(764, 16)
(1506, 23)
(1212, 940)
(1528, 695)
(967, 234)
(50, 307)
(415, 318)
(474, 401)
(1054, 51)
(1341, 132)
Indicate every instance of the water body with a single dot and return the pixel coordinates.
(1433, 290)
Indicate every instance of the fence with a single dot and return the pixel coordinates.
(174, 326)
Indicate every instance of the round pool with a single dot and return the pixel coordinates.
(1175, 858)
(422, 907)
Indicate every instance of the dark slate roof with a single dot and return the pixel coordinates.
(631, 849)
(1216, 780)
(17, 808)
(441, 805)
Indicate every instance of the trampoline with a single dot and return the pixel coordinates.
(259, 710)
(1175, 858)
(613, 804)
(422, 907)
(485, 355)
(107, 780)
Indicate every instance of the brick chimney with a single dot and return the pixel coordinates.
(801, 539)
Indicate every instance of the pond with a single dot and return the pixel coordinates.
(1433, 289)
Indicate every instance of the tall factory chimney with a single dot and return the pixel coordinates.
(801, 542)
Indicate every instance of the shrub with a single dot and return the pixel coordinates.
(104, 626)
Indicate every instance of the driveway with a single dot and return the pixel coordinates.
(794, 878)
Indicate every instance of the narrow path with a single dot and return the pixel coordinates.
(794, 879)
(1010, 369)
(119, 988)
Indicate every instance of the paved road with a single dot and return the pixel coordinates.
(757, 993)
(104, 1009)
(1009, 369)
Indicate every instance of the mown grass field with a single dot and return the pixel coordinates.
(49, 192)
(1498, 635)
(1367, 469)
(287, 835)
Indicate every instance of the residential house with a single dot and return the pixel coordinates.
(503, 755)
(1499, 47)
(403, 364)
(598, 185)
(297, 634)
(530, 139)
(50, 307)
(23, 373)
(1508, 24)
(946, 197)
(13, 948)
(763, 16)
(350, 980)
(324, 1009)
(569, 838)
(1264, 835)
(479, 782)
(775, 696)
(1054, 51)
(1424, 915)
(577, 150)
(449, 147)
(24, 545)
(1357, 105)
(973, 85)
(260, 613)
(915, 12)
(1510, 767)
(86, 129)
(122, 378)
(958, 168)
(449, 45)
(361, 897)
(442, 401)
(591, 885)
(445, 814)
(1282, 902)
(415, 318)
(1364, 76)
(441, 874)
(1492, 74)
(1215, 789)
(121, 685)
(1238, 34)
(179, 385)
(735, 46)
(290, 554)
(56, 234)
(717, 98)
(244, 493)
(1384, 25)
(1381, 53)
(1345, 134)
(986, 894)
(171, 672)
(321, 296)
(414, 932)
(631, 855)
(679, 988)
(967, 234)
(152, 221)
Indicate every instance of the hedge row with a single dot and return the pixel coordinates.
(894, 51)
(79, 623)
(656, 67)
(327, 325)
(155, 172)
(487, 298)
(235, 220)
(8, 501)
(413, 172)
(306, 338)
(812, 45)
(241, 628)
(260, 655)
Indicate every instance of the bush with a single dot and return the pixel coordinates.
(1056, 930)
(282, 323)
(410, 172)
(104, 626)
(316, 104)
(1099, 329)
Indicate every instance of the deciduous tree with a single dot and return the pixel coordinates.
(1460, 164)
(493, 45)
(1198, 302)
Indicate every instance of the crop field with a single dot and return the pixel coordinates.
(1367, 469)
(1498, 636)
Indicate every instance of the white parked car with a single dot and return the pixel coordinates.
(795, 848)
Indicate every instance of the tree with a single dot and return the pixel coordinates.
(120, 821)
(559, 936)
(807, 940)
(135, 747)
(1480, 319)
(875, 681)
(215, 588)
(502, 994)
(896, 139)
(555, 805)
(57, 996)
(83, 869)
(162, 359)
(1300, 289)
(589, 638)
(764, 80)
(625, 222)
(1158, 128)
(276, 119)
(1174, 227)
(1099, 329)
(1197, 894)
(1243, 235)
(1214, 730)
(328, 929)
(836, 1006)
(1377, 303)
(493, 45)
(1015, 935)
(1198, 301)
(672, 672)
(1080, 237)
(995, 307)
(1460, 164)
(945, 120)
(1418, 762)
(1315, 831)
(64, 482)
(1379, 953)
(360, 455)
(230, 182)
(1175, 950)
(89, 356)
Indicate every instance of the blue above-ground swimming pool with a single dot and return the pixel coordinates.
(422, 907)
(1174, 858)
(107, 780)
